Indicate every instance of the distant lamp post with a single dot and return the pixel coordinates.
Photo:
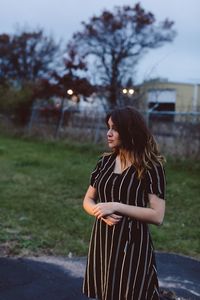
(124, 91)
(127, 96)
(131, 91)
(128, 91)
(70, 92)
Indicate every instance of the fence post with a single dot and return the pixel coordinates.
(60, 119)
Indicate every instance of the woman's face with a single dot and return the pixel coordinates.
(112, 135)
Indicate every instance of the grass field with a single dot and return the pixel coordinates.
(42, 185)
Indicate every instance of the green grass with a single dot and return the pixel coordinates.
(42, 185)
(181, 230)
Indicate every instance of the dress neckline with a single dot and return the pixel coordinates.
(122, 171)
(115, 173)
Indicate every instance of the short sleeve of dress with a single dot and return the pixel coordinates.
(155, 180)
(96, 172)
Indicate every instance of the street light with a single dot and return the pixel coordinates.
(124, 91)
(128, 91)
(62, 111)
(131, 91)
(70, 92)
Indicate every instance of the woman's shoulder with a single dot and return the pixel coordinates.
(155, 168)
(155, 164)
(108, 154)
(106, 157)
(155, 179)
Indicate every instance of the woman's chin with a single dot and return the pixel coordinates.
(111, 146)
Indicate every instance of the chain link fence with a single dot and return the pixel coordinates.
(177, 133)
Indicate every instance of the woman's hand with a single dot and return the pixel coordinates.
(101, 210)
(112, 219)
(106, 212)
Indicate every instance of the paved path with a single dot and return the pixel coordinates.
(50, 278)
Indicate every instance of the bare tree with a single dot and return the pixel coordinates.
(114, 42)
(26, 56)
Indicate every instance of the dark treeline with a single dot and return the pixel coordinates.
(109, 45)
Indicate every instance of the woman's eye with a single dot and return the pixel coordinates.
(112, 128)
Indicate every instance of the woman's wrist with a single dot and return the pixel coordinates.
(117, 207)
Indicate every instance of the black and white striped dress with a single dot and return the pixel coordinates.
(121, 263)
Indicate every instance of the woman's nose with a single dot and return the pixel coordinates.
(109, 132)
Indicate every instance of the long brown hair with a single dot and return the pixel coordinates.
(136, 139)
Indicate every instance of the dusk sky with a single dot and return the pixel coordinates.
(179, 61)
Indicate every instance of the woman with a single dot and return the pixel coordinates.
(126, 193)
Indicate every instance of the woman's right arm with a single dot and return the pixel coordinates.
(90, 200)
(89, 203)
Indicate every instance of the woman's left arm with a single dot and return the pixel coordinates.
(154, 214)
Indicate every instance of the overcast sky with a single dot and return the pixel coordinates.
(179, 61)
